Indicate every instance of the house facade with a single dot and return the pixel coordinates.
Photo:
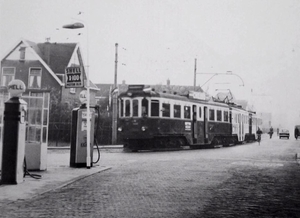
(41, 66)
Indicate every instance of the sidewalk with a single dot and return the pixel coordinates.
(57, 175)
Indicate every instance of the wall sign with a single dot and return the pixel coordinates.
(74, 77)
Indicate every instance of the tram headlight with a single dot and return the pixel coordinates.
(120, 129)
(144, 128)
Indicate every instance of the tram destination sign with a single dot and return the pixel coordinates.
(74, 77)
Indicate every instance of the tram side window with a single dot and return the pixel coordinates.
(144, 107)
(225, 116)
(154, 108)
(211, 114)
(135, 107)
(219, 115)
(127, 108)
(187, 112)
(177, 111)
(165, 110)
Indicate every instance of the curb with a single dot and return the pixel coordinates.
(71, 181)
(49, 186)
(95, 147)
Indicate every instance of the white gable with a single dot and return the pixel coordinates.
(74, 59)
(15, 54)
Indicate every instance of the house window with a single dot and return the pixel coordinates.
(35, 78)
(22, 53)
(8, 74)
(72, 90)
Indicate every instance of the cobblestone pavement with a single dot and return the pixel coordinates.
(243, 181)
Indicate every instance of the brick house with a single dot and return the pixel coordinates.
(41, 66)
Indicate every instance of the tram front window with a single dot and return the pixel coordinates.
(121, 108)
(135, 106)
(166, 110)
(144, 107)
(127, 108)
(154, 108)
(187, 112)
(177, 111)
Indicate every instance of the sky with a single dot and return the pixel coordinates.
(256, 40)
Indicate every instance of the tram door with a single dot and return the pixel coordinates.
(194, 125)
(240, 127)
(230, 120)
(205, 125)
(250, 124)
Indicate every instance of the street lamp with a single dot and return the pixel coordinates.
(88, 130)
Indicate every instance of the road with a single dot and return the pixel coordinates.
(248, 180)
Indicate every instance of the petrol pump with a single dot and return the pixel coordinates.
(13, 153)
(79, 151)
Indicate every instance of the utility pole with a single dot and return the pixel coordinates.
(195, 72)
(115, 101)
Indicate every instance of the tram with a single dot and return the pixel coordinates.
(150, 120)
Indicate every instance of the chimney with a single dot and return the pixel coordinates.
(47, 50)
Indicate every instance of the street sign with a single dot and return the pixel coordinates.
(74, 77)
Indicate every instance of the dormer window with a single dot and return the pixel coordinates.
(22, 53)
(8, 74)
(35, 78)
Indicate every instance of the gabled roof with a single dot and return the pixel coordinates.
(59, 54)
(54, 56)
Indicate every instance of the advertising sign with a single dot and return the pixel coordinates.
(74, 77)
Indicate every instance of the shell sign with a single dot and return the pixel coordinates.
(16, 88)
(83, 97)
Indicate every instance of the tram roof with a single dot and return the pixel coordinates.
(143, 91)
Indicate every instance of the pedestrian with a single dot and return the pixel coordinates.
(271, 132)
(258, 132)
(277, 131)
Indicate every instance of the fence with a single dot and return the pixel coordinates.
(60, 133)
